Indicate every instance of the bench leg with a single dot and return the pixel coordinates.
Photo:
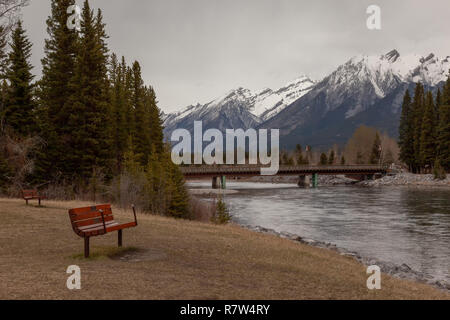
(39, 202)
(26, 201)
(86, 247)
(120, 238)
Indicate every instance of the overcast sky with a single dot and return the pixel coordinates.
(195, 50)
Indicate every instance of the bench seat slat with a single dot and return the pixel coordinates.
(97, 225)
(121, 226)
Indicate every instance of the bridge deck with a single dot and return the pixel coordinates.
(246, 170)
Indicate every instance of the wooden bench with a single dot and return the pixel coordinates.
(31, 195)
(96, 221)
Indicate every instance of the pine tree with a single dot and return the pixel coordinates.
(19, 109)
(155, 124)
(375, 156)
(179, 197)
(323, 159)
(331, 157)
(417, 110)
(88, 123)
(428, 134)
(141, 130)
(58, 69)
(406, 132)
(444, 137)
(3, 51)
(443, 140)
(342, 161)
(118, 109)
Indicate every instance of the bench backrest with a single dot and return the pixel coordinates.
(29, 193)
(81, 217)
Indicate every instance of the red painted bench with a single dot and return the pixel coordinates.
(31, 195)
(96, 221)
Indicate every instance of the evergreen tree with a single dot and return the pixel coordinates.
(444, 137)
(443, 140)
(323, 159)
(19, 108)
(141, 130)
(119, 133)
(331, 157)
(428, 135)
(342, 161)
(155, 123)
(406, 132)
(58, 69)
(3, 51)
(375, 156)
(417, 110)
(88, 124)
(179, 197)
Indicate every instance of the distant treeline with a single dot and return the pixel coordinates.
(424, 133)
(366, 146)
(87, 122)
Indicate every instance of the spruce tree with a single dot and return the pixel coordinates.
(141, 130)
(406, 132)
(155, 123)
(375, 155)
(19, 108)
(444, 136)
(331, 157)
(88, 124)
(443, 141)
(417, 110)
(428, 134)
(118, 117)
(3, 51)
(58, 69)
(323, 159)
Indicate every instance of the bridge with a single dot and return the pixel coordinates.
(219, 173)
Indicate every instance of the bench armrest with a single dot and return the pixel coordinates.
(103, 218)
(134, 212)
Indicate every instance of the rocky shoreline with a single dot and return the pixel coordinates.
(407, 179)
(402, 272)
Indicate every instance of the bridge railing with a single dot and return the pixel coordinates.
(227, 169)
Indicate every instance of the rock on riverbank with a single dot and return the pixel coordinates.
(407, 179)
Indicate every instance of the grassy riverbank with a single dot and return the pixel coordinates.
(174, 259)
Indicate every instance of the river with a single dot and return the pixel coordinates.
(399, 225)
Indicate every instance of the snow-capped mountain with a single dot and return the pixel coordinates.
(364, 90)
(239, 108)
(367, 89)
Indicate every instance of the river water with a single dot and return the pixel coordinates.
(391, 224)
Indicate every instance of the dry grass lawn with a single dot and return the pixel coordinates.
(187, 260)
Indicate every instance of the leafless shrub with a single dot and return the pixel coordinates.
(202, 210)
(127, 189)
(17, 153)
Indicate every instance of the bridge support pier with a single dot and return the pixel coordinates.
(315, 180)
(219, 182)
(304, 181)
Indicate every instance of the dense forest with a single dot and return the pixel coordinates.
(424, 134)
(89, 127)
